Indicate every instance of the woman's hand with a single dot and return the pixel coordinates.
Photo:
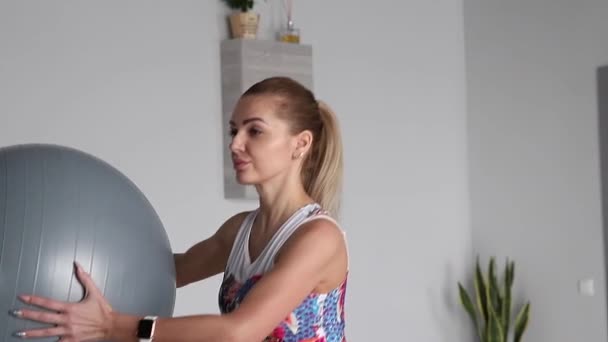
(87, 320)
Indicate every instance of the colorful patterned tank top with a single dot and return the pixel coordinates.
(320, 316)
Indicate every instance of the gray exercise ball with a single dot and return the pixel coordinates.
(59, 205)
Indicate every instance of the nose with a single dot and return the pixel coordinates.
(237, 143)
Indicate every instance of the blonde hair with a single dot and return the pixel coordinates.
(322, 168)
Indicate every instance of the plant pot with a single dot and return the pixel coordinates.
(244, 24)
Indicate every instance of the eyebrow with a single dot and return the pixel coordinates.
(246, 121)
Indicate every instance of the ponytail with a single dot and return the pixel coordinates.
(322, 171)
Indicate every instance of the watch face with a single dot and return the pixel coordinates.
(144, 329)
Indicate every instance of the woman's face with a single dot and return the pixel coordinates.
(262, 146)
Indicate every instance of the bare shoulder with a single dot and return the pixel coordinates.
(320, 228)
(318, 246)
(319, 235)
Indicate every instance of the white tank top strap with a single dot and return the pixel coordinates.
(238, 263)
(321, 216)
(325, 216)
(237, 252)
(283, 234)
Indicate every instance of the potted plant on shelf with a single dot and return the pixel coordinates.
(243, 22)
(492, 314)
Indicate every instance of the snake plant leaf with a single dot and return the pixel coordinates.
(480, 292)
(494, 295)
(511, 273)
(469, 307)
(506, 305)
(521, 322)
(495, 330)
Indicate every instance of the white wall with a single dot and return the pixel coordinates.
(534, 162)
(137, 84)
(394, 71)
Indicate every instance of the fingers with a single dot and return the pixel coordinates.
(44, 332)
(86, 280)
(43, 302)
(54, 318)
(40, 316)
(66, 318)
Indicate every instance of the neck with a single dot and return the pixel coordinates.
(279, 199)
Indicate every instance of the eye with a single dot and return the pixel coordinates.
(232, 131)
(254, 131)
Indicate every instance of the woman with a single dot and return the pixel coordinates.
(285, 264)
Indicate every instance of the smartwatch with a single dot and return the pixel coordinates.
(145, 328)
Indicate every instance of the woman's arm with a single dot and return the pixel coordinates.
(198, 328)
(303, 264)
(208, 257)
(93, 320)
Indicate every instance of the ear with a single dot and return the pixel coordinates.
(303, 142)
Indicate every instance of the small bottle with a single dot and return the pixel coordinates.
(290, 34)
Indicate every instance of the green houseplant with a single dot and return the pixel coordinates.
(243, 21)
(242, 5)
(491, 315)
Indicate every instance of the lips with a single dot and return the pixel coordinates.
(239, 164)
